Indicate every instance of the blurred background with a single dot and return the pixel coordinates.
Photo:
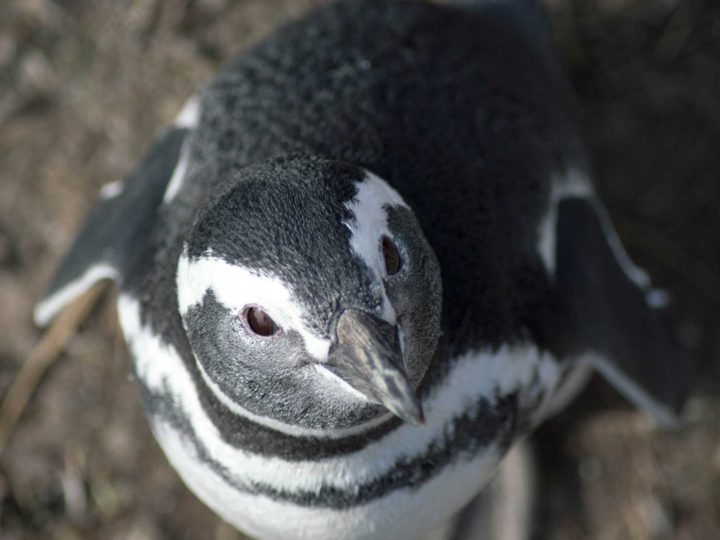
(85, 84)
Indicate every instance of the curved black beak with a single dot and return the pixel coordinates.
(368, 358)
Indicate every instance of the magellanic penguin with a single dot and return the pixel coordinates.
(364, 261)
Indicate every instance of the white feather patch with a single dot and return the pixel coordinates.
(401, 514)
(370, 224)
(112, 190)
(178, 175)
(572, 183)
(188, 118)
(189, 114)
(46, 310)
(236, 287)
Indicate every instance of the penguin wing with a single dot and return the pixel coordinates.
(117, 229)
(615, 319)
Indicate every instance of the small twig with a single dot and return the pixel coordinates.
(41, 358)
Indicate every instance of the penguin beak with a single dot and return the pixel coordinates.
(368, 357)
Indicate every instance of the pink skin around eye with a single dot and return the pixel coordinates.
(259, 322)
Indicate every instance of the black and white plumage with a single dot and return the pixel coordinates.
(442, 128)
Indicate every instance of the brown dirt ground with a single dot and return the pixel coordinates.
(83, 87)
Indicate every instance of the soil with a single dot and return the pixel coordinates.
(84, 86)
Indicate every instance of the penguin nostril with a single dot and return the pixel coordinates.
(259, 322)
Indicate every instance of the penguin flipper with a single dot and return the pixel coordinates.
(118, 226)
(617, 321)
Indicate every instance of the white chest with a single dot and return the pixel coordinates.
(398, 486)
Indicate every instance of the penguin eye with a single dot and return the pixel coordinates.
(259, 322)
(390, 252)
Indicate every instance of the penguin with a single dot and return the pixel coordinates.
(363, 263)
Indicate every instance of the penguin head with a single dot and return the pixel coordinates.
(310, 295)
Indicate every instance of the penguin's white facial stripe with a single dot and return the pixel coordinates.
(291, 429)
(473, 376)
(236, 287)
(329, 375)
(370, 224)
